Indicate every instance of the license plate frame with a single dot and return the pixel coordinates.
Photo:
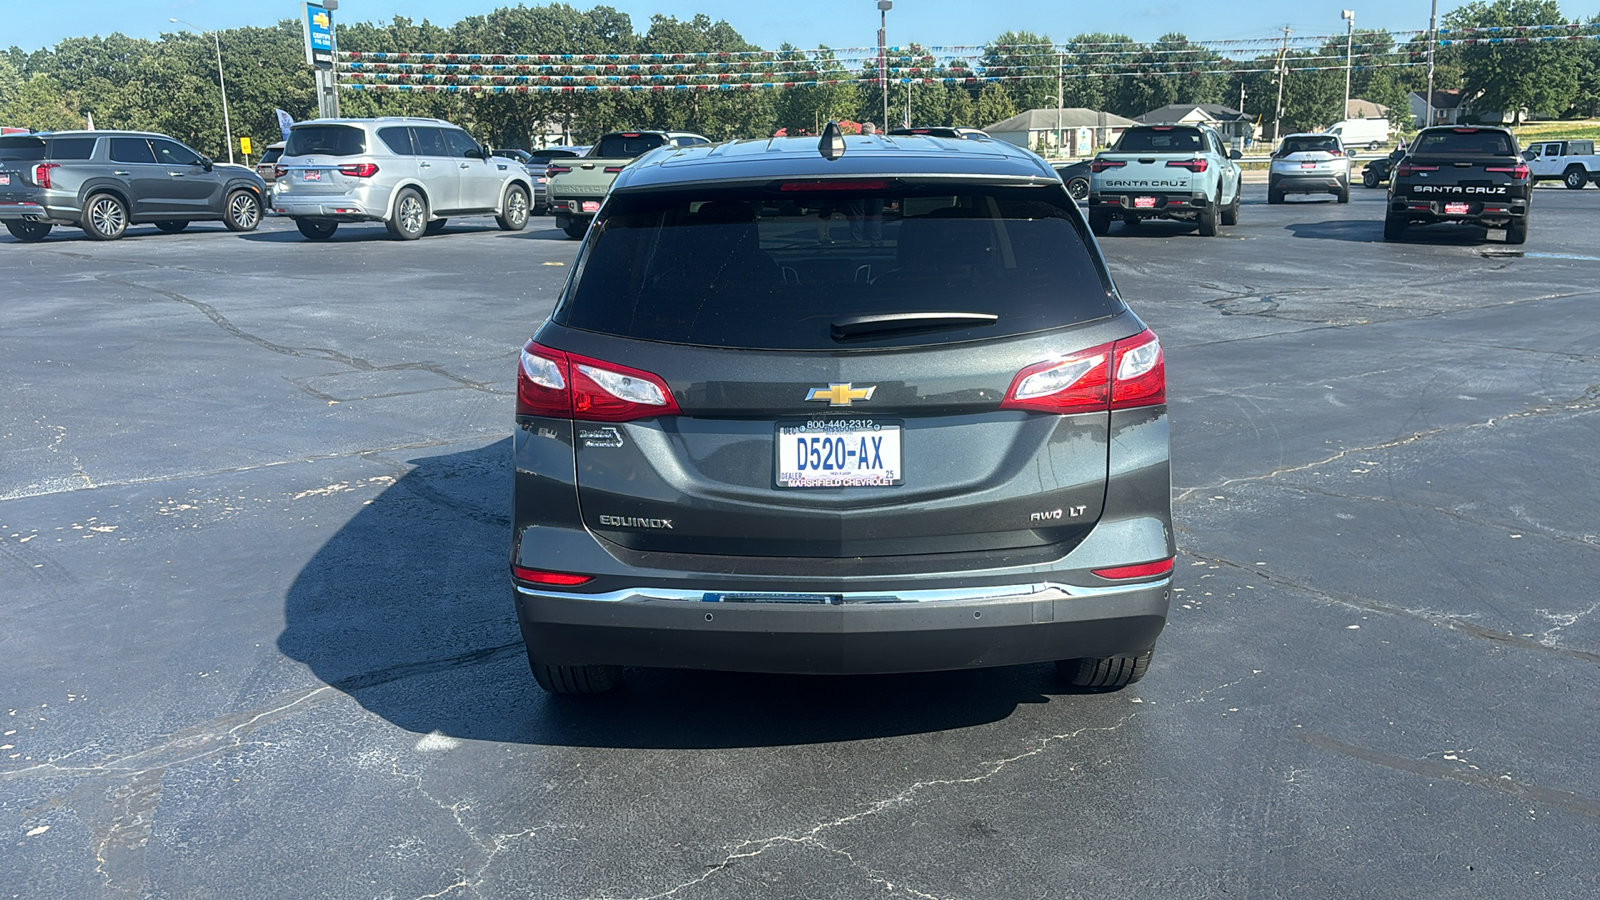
(311, 175)
(822, 438)
(5, 178)
(1457, 208)
(1144, 203)
(590, 206)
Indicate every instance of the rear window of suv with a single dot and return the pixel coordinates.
(624, 146)
(1465, 140)
(791, 270)
(1328, 144)
(326, 140)
(1159, 140)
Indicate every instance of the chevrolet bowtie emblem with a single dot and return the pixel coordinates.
(841, 394)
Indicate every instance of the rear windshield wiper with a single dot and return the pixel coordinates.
(884, 323)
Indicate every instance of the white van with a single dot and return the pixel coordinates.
(1368, 133)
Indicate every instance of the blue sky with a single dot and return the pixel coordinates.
(807, 23)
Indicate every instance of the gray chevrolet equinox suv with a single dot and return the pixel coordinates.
(412, 174)
(105, 181)
(865, 407)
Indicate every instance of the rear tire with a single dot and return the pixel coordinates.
(1100, 222)
(1575, 178)
(515, 217)
(316, 229)
(28, 232)
(105, 217)
(1078, 189)
(576, 230)
(172, 227)
(1230, 213)
(1370, 178)
(1207, 218)
(1517, 231)
(1394, 227)
(242, 212)
(1105, 673)
(575, 679)
(1344, 194)
(410, 220)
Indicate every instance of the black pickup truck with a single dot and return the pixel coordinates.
(1465, 174)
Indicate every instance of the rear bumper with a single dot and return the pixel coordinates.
(342, 208)
(1165, 205)
(34, 211)
(1310, 184)
(1493, 213)
(855, 633)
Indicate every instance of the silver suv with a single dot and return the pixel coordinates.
(412, 174)
(1309, 164)
(105, 181)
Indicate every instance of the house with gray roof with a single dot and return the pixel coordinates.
(1058, 133)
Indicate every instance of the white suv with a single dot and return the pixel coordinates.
(1309, 164)
(412, 174)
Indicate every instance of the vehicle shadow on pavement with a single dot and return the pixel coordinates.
(355, 234)
(407, 609)
(1371, 232)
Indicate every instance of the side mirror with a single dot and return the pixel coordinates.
(206, 163)
(1236, 154)
(477, 153)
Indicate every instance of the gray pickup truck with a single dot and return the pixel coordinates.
(1177, 172)
(576, 186)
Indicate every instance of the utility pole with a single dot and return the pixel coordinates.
(883, 55)
(1349, 46)
(1061, 98)
(1433, 38)
(1283, 73)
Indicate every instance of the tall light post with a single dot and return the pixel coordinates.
(227, 126)
(1349, 46)
(1433, 38)
(883, 54)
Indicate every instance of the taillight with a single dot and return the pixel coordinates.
(540, 576)
(552, 171)
(1193, 165)
(359, 170)
(1406, 168)
(792, 186)
(567, 386)
(41, 173)
(1142, 570)
(1335, 152)
(280, 172)
(1121, 375)
(612, 170)
(1517, 172)
(1100, 165)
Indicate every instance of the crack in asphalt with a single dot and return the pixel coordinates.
(1432, 617)
(751, 848)
(1505, 783)
(316, 353)
(1590, 399)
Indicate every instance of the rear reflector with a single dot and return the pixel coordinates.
(612, 170)
(1142, 570)
(540, 576)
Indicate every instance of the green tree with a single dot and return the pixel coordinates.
(1030, 63)
(42, 104)
(1541, 77)
(994, 105)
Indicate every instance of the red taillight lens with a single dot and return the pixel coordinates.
(552, 171)
(1100, 165)
(359, 170)
(1406, 168)
(1142, 570)
(540, 576)
(612, 170)
(280, 172)
(41, 173)
(1517, 172)
(1335, 152)
(788, 186)
(1193, 165)
(1122, 375)
(565, 386)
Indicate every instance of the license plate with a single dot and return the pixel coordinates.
(1308, 165)
(844, 453)
(591, 206)
(312, 175)
(1144, 203)
(5, 179)
(1455, 209)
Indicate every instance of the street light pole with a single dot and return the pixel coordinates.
(883, 54)
(1433, 38)
(1349, 46)
(227, 125)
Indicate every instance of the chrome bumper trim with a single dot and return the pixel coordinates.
(1024, 592)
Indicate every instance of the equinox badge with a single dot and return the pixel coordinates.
(841, 394)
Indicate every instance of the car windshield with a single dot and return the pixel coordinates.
(625, 146)
(1469, 141)
(1160, 140)
(22, 149)
(1328, 144)
(782, 269)
(328, 140)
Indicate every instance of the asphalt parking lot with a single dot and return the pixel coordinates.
(256, 634)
